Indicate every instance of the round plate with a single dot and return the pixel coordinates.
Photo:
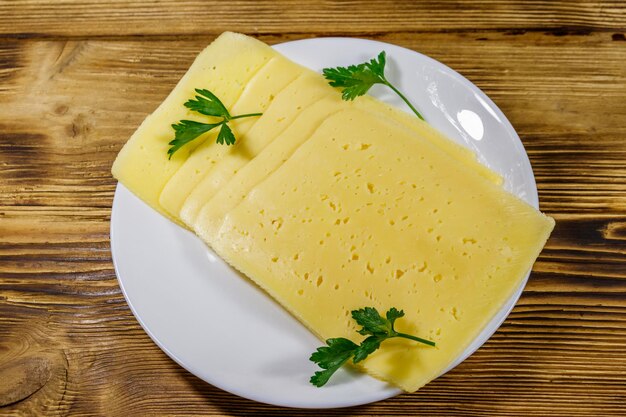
(218, 325)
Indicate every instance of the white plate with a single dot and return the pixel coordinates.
(222, 328)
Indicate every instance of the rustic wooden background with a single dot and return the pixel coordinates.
(77, 77)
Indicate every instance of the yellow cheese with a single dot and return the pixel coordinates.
(213, 203)
(212, 213)
(282, 111)
(364, 214)
(260, 91)
(224, 67)
(426, 131)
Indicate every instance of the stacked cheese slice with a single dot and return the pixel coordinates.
(332, 206)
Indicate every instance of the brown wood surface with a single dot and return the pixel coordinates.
(77, 77)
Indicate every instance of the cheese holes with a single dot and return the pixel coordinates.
(277, 223)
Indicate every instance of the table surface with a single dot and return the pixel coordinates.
(76, 79)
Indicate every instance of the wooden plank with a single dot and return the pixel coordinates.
(40, 18)
(68, 106)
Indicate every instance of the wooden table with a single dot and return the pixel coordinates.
(76, 78)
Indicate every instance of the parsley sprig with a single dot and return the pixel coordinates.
(356, 80)
(208, 104)
(339, 350)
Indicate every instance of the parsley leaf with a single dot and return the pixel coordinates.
(394, 314)
(186, 131)
(208, 104)
(366, 347)
(339, 350)
(356, 80)
(330, 358)
(371, 321)
(225, 136)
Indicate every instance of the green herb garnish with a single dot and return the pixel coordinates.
(356, 80)
(208, 104)
(339, 350)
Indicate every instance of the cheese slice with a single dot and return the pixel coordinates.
(283, 110)
(213, 204)
(211, 215)
(224, 67)
(365, 214)
(426, 131)
(257, 96)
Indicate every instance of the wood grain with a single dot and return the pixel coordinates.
(76, 78)
(179, 18)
